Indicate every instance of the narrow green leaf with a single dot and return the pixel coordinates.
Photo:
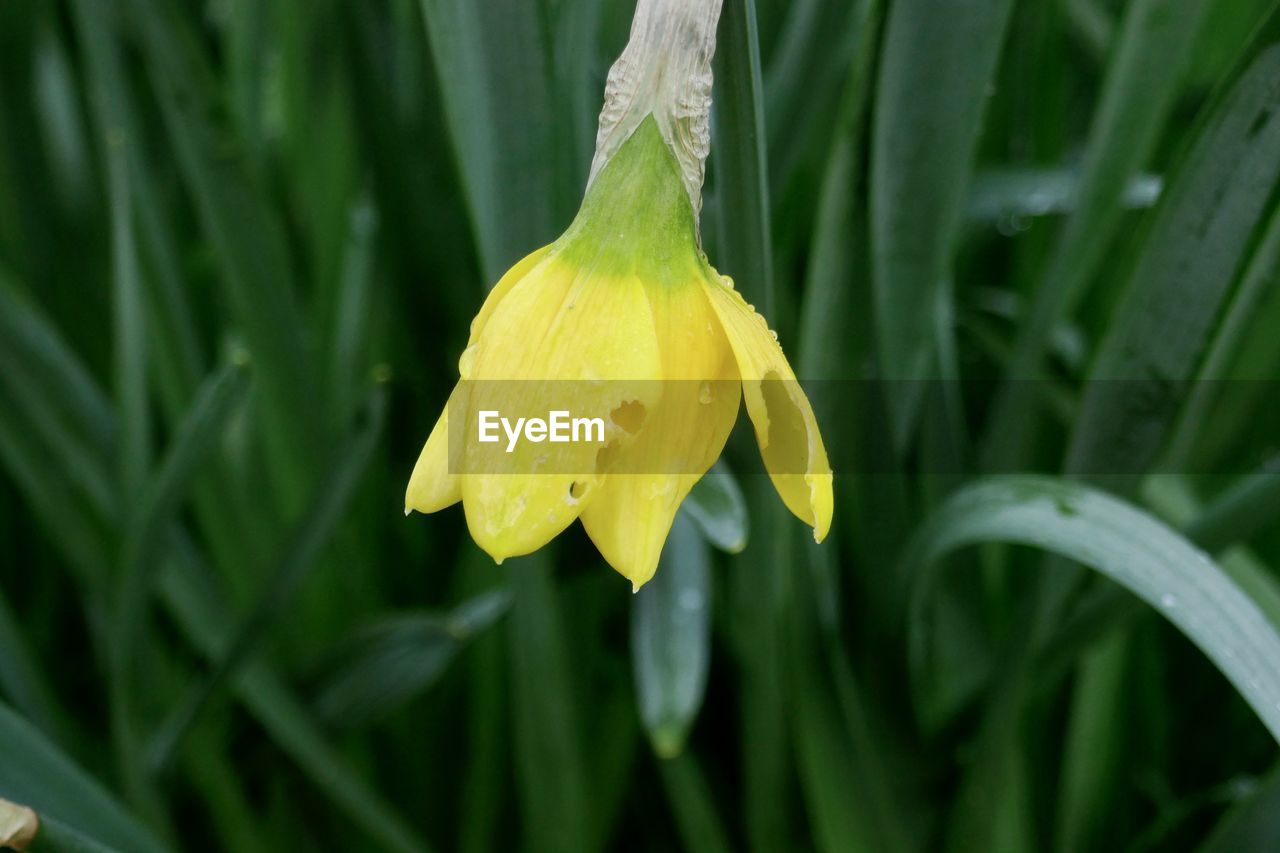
(1248, 508)
(1254, 824)
(928, 115)
(243, 229)
(550, 768)
(205, 618)
(1194, 250)
(717, 506)
(1231, 332)
(1142, 81)
(495, 84)
(299, 555)
(1094, 748)
(671, 638)
(129, 332)
(22, 679)
(398, 657)
(1132, 549)
(349, 335)
(738, 157)
(693, 804)
(35, 773)
(47, 359)
(194, 442)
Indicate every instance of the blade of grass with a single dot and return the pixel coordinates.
(484, 785)
(1138, 95)
(35, 773)
(740, 160)
(1182, 278)
(200, 611)
(693, 804)
(843, 776)
(1254, 824)
(300, 553)
(1262, 273)
(1127, 546)
(195, 441)
(48, 360)
(129, 333)
(495, 86)
(550, 769)
(23, 680)
(745, 251)
(348, 345)
(925, 130)
(246, 235)
(196, 607)
(1248, 508)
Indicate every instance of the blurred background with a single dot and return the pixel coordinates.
(240, 247)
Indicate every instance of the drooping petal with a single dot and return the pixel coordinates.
(632, 513)
(431, 486)
(565, 338)
(786, 429)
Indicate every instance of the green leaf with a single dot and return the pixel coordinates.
(1129, 547)
(717, 506)
(299, 555)
(195, 441)
(550, 768)
(495, 76)
(36, 774)
(199, 609)
(1231, 333)
(693, 805)
(1182, 277)
(671, 638)
(396, 658)
(245, 232)
(738, 158)
(925, 130)
(1254, 824)
(1143, 79)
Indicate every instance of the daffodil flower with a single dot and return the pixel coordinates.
(623, 316)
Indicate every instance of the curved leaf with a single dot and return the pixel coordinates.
(1131, 548)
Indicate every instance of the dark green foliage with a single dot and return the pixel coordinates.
(240, 244)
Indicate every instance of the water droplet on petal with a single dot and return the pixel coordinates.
(1168, 602)
(704, 393)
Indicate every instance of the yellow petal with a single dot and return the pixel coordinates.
(513, 277)
(786, 429)
(631, 515)
(431, 486)
(585, 332)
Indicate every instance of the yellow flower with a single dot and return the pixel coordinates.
(622, 316)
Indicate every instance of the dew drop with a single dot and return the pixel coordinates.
(704, 393)
(1168, 602)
